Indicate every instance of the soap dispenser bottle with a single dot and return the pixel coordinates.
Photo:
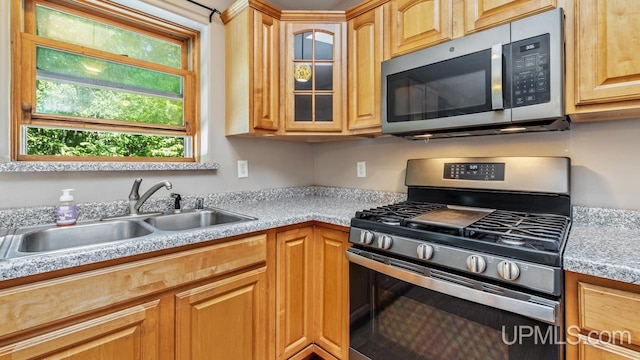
(66, 212)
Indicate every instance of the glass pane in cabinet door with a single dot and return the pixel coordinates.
(324, 46)
(303, 46)
(324, 76)
(324, 107)
(302, 76)
(302, 108)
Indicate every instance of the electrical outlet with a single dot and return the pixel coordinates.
(243, 168)
(361, 169)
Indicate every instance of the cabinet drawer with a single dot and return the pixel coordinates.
(609, 311)
(593, 349)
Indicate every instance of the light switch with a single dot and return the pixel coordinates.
(243, 168)
(361, 169)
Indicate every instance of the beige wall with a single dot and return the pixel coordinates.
(605, 159)
(604, 155)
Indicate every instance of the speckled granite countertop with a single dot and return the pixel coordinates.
(604, 243)
(329, 205)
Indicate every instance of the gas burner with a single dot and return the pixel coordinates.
(387, 220)
(511, 240)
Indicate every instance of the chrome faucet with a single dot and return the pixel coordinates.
(136, 201)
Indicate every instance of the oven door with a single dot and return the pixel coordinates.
(400, 310)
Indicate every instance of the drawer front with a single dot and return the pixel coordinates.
(613, 313)
(592, 349)
(78, 294)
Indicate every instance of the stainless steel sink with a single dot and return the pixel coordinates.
(35, 240)
(194, 219)
(59, 238)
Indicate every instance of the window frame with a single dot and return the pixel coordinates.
(25, 41)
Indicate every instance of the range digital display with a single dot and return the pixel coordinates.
(474, 171)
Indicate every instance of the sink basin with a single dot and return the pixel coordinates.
(195, 219)
(60, 238)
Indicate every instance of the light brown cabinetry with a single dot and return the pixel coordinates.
(603, 68)
(313, 75)
(601, 318)
(483, 14)
(331, 307)
(252, 58)
(416, 24)
(366, 49)
(312, 293)
(225, 319)
(294, 291)
(147, 309)
(127, 334)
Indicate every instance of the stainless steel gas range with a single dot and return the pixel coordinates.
(469, 267)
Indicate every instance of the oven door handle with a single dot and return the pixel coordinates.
(543, 312)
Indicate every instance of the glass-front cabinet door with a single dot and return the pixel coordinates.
(313, 77)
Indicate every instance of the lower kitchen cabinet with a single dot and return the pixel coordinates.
(203, 303)
(223, 320)
(128, 334)
(331, 296)
(602, 318)
(311, 293)
(293, 291)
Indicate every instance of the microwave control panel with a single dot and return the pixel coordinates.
(530, 71)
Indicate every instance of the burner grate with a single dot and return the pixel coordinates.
(544, 232)
(396, 213)
(537, 231)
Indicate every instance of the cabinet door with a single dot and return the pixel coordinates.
(416, 24)
(592, 349)
(482, 14)
(606, 61)
(294, 291)
(252, 80)
(265, 71)
(223, 320)
(331, 294)
(124, 335)
(365, 52)
(313, 77)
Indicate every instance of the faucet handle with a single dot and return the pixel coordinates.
(134, 194)
(199, 203)
(177, 198)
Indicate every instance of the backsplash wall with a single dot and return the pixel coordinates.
(605, 169)
(604, 156)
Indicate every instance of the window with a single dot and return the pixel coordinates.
(98, 81)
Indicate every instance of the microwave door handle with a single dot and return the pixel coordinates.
(496, 77)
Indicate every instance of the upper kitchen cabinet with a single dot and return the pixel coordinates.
(603, 68)
(367, 24)
(252, 56)
(416, 24)
(483, 14)
(313, 75)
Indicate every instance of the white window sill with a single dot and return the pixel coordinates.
(71, 166)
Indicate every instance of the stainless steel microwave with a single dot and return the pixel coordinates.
(505, 79)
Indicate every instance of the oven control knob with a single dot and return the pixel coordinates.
(476, 264)
(384, 242)
(425, 252)
(508, 270)
(366, 237)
